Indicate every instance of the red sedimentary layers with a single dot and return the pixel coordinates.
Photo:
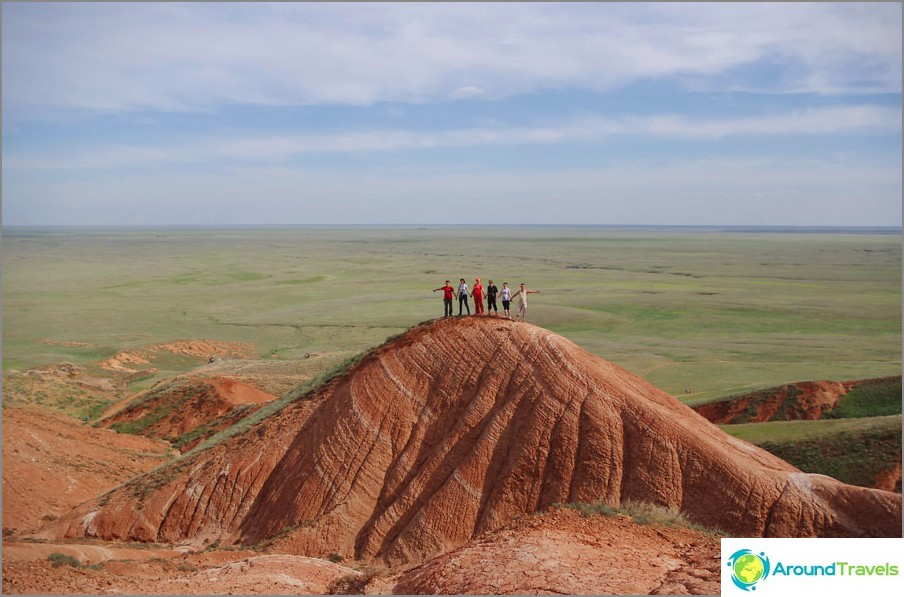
(455, 428)
(805, 400)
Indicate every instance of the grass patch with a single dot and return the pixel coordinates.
(353, 584)
(871, 398)
(854, 451)
(58, 559)
(644, 513)
(167, 397)
(93, 412)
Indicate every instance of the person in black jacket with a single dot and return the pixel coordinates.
(491, 298)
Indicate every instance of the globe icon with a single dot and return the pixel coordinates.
(749, 568)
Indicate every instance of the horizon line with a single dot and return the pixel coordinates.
(467, 225)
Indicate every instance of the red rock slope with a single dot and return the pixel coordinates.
(452, 430)
(52, 462)
(805, 400)
(186, 411)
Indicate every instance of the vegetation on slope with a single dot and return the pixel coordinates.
(855, 451)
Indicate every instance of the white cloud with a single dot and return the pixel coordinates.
(259, 148)
(467, 92)
(195, 56)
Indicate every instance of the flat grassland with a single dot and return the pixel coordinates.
(715, 312)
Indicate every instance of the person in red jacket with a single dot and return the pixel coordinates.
(477, 293)
(448, 295)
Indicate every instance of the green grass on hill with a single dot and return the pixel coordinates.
(872, 398)
(854, 451)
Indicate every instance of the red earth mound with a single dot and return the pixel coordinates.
(452, 430)
(186, 411)
(805, 400)
(52, 462)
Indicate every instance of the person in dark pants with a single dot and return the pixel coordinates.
(506, 295)
(491, 298)
(463, 296)
(448, 293)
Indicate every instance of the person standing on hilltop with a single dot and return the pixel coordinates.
(522, 300)
(463, 296)
(477, 293)
(506, 296)
(448, 293)
(492, 291)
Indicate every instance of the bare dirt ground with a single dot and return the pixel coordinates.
(561, 552)
(554, 552)
(117, 570)
(52, 462)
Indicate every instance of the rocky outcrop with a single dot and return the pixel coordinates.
(455, 428)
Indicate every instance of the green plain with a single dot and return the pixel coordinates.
(715, 312)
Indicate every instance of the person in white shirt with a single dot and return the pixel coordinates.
(463, 296)
(506, 296)
(522, 300)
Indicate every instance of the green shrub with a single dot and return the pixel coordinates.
(60, 559)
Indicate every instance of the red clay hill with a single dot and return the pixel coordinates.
(184, 411)
(456, 428)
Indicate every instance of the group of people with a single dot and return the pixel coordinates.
(477, 293)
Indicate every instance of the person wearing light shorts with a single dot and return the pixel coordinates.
(522, 300)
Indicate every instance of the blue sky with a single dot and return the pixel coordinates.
(586, 113)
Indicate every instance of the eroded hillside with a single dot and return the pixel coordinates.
(455, 428)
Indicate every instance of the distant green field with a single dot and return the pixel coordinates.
(715, 312)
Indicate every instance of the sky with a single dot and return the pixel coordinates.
(782, 114)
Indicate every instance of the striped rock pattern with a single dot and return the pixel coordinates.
(455, 428)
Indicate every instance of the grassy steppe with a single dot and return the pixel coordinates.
(716, 312)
